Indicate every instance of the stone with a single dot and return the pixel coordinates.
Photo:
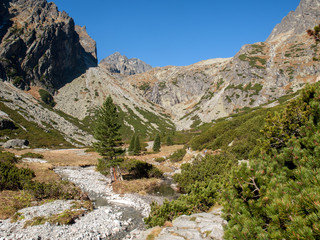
(49, 52)
(6, 124)
(16, 143)
(117, 63)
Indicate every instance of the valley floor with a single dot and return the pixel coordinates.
(114, 217)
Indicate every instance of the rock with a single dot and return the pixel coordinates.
(16, 143)
(40, 44)
(306, 16)
(117, 63)
(6, 124)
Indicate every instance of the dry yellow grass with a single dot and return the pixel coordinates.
(140, 186)
(12, 201)
(64, 157)
(43, 171)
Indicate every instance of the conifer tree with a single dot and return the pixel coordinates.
(137, 146)
(156, 144)
(132, 142)
(277, 195)
(106, 132)
(169, 141)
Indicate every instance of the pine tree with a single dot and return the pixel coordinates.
(106, 132)
(137, 146)
(169, 141)
(277, 195)
(156, 144)
(132, 141)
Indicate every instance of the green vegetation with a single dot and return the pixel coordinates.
(169, 141)
(140, 169)
(36, 136)
(156, 144)
(46, 97)
(178, 155)
(277, 196)
(14, 179)
(145, 86)
(32, 155)
(257, 62)
(106, 132)
(137, 146)
(239, 134)
(144, 129)
(203, 180)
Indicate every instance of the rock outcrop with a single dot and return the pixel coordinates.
(117, 63)
(40, 46)
(43, 117)
(306, 16)
(16, 143)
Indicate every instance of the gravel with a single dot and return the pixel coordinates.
(115, 216)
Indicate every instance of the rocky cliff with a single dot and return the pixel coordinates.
(258, 74)
(117, 63)
(40, 46)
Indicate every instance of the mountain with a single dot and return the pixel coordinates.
(306, 16)
(40, 46)
(160, 99)
(202, 92)
(117, 63)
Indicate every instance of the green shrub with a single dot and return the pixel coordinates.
(8, 157)
(178, 155)
(46, 97)
(203, 180)
(160, 159)
(13, 178)
(141, 169)
(278, 196)
(32, 155)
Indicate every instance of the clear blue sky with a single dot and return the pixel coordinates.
(176, 32)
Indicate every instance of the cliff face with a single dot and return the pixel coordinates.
(117, 63)
(258, 74)
(40, 46)
(306, 16)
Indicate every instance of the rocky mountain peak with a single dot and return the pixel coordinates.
(306, 16)
(117, 63)
(40, 46)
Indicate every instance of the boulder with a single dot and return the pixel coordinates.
(16, 143)
(6, 124)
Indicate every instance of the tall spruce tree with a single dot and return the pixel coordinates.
(137, 146)
(132, 142)
(156, 144)
(106, 132)
(169, 141)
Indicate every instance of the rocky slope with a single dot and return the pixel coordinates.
(259, 73)
(117, 63)
(40, 46)
(45, 118)
(83, 95)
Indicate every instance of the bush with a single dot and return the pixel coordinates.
(141, 169)
(7, 157)
(160, 159)
(46, 97)
(278, 196)
(32, 155)
(203, 181)
(13, 178)
(178, 155)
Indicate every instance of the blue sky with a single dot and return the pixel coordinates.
(176, 32)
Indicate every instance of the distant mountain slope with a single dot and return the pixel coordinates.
(39, 123)
(117, 63)
(40, 46)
